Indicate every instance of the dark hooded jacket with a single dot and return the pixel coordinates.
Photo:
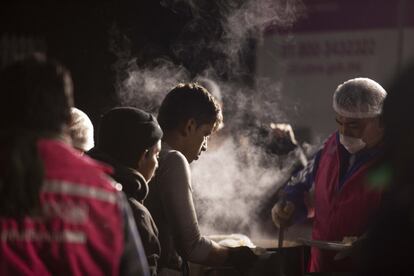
(135, 187)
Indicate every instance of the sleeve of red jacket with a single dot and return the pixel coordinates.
(299, 184)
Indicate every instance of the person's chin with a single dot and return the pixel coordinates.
(195, 158)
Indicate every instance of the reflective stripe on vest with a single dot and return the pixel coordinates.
(74, 189)
(32, 235)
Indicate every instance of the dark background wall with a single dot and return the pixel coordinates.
(84, 36)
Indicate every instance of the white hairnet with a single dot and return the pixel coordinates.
(359, 98)
(81, 130)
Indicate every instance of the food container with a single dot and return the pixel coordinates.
(290, 260)
(272, 261)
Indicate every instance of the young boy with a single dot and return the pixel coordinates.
(188, 116)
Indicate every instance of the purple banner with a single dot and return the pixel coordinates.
(348, 15)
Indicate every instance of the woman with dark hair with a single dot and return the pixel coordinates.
(59, 213)
(36, 101)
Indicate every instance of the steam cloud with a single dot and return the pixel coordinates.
(230, 183)
(216, 48)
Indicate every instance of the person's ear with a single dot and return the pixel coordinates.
(189, 127)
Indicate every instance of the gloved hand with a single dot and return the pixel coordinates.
(355, 246)
(282, 213)
(242, 258)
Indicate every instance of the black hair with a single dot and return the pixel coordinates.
(189, 101)
(126, 132)
(36, 99)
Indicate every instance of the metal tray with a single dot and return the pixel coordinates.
(329, 245)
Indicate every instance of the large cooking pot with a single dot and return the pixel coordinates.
(289, 260)
(272, 261)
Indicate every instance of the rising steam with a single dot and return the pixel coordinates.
(216, 48)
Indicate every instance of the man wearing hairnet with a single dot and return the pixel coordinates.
(343, 204)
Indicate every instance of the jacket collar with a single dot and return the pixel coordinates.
(133, 183)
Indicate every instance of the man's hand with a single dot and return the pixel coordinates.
(349, 240)
(282, 213)
(354, 243)
(283, 132)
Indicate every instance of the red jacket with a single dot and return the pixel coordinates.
(81, 228)
(340, 212)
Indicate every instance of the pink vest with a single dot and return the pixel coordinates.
(80, 231)
(339, 213)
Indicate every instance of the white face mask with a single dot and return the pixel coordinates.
(352, 145)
